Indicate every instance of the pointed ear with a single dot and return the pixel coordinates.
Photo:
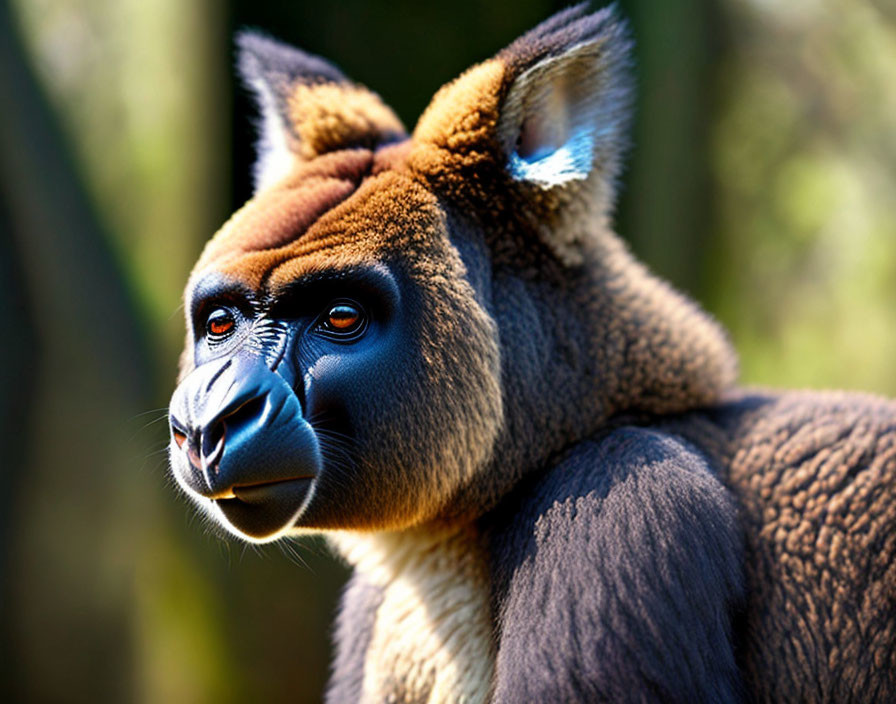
(307, 107)
(541, 125)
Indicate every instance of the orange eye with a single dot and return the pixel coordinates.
(344, 322)
(220, 322)
(343, 317)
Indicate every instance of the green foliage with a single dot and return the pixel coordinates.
(804, 269)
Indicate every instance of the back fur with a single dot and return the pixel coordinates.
(815, 476)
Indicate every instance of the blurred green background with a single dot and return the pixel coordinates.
(762, 181)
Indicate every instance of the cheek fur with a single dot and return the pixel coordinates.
(453, 398)
(422, 411)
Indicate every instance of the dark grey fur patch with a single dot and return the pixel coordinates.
(354, 630)
(616, 575)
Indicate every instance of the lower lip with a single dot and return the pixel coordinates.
(262, 511)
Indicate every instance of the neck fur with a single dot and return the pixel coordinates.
(432, 640)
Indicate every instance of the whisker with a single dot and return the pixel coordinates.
(175, 312)
(146, 413)
(148, 424)
(290, 550)
(317, 545)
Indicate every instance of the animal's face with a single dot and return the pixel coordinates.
(381, 335)
(320, 362)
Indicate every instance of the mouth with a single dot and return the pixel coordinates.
(264, 510)
(265, 491)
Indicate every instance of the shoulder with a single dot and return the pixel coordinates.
(642, 475)
(614, 575)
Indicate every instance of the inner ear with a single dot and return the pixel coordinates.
(550, 118)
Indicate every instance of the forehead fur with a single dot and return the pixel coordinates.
(343, 208)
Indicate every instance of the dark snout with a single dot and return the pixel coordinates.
(240, 439)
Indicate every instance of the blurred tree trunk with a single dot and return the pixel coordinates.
(666, 210)
(70, 627)
(17, 355)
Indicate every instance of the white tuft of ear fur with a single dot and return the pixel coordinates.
(554, 142)
(274, 157)
(563, 117)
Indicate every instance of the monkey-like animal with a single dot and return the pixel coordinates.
(433, 349)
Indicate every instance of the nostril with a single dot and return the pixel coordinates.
(212, 437)
(186, 441)
(213, 445)
(177, 431)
